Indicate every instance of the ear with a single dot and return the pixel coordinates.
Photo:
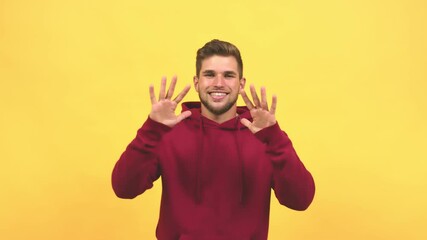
(242, 83)
(196, 83)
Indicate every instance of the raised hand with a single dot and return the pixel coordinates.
(163, 109)
(261, 116)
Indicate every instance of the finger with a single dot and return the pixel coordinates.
(273, 105)
(183, 116)
(182, 94)
(255, 96)
(152, 95)
(264, 103)
(246, 122)
(171, 88)
(246, 99)
(162, 89)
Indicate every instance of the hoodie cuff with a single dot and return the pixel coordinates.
(271, 134)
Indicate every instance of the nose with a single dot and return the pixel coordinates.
(219, 81)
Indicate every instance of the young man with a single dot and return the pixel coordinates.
(218, 162)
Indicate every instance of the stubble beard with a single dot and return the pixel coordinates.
(218, 111)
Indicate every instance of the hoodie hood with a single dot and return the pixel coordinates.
(202, 123)
(195, 108)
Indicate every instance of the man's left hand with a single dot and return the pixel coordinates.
(262, 117)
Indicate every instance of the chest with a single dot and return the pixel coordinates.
(215, 151)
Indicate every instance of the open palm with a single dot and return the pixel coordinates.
(262, 117)
(163, 109)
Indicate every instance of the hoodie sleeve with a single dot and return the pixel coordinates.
(293, 185)
(138, 166)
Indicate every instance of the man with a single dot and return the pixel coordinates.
(218, 162)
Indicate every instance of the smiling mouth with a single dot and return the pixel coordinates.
(218, 95)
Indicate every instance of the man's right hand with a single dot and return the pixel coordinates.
(163, 110)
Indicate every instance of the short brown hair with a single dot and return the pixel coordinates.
(221, 48)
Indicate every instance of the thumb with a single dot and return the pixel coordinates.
(183, 116)
(246, 122)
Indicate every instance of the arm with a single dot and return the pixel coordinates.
(292, 183)
(138, 166)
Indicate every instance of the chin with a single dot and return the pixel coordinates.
(217, 108)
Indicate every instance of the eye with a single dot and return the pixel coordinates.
(208, 74)
(229, 75)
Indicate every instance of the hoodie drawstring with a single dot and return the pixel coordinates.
(198, 191)
(241, 162)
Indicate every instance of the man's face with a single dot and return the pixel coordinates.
(218, 84)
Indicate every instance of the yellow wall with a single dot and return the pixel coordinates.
(351, 80)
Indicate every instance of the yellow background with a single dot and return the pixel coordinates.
(351, 80)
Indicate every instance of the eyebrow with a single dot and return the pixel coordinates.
(230, 72)
(225, 72)
(208, 71)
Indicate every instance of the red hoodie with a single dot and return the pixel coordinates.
(216, 178)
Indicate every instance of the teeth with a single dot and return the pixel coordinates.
(217, 94)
